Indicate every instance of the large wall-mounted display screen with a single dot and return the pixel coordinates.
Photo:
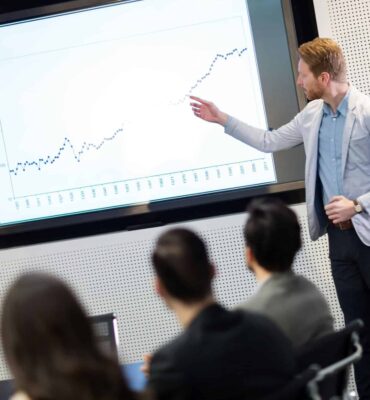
(94, 106)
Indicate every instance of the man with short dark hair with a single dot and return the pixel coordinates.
(221, 354)
(272, 237)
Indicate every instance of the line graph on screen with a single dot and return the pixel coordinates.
(43, 161)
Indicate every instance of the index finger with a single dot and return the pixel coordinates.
(202, 101)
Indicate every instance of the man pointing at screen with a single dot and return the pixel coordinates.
(335, 130)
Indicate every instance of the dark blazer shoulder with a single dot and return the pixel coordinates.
(221, 352)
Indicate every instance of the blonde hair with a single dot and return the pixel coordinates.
(324, 55)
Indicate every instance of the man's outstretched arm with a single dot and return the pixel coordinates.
(264, 140)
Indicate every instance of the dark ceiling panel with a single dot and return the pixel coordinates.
(11, 5)
(305, 20)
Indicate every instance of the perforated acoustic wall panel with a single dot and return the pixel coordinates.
(112, 273)
(347, 22)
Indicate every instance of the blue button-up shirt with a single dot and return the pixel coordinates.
(330, 149)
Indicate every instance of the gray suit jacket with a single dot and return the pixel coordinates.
(355, 156)
(295, 305)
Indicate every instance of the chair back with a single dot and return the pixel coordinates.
(296, 389)
(334, 354)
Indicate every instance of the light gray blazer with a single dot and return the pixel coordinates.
(295, 305)
(355, 155)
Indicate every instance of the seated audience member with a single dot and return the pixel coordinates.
(50, 346)
(272, 237)
(221, 354)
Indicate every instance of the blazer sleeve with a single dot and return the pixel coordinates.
(365, 198)
(267, 141)
(166, 380)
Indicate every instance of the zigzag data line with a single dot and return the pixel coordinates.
(208, 73)
(41, 162)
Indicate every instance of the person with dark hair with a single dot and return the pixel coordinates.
(50, 347)
(221, 354)
(272, 237)
(335, 130)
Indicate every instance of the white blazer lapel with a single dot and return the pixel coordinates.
(311, 146)
(347, 132)
(312, 149)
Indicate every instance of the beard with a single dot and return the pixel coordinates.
(314, 93)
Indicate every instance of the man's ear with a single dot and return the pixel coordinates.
(159, 288)
(324, 78)
(249, 256)
(213, 271)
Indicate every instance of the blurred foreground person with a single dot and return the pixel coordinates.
(50, 346)
(272, 238)
(221, 354)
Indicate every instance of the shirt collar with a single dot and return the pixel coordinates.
(341, 109)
